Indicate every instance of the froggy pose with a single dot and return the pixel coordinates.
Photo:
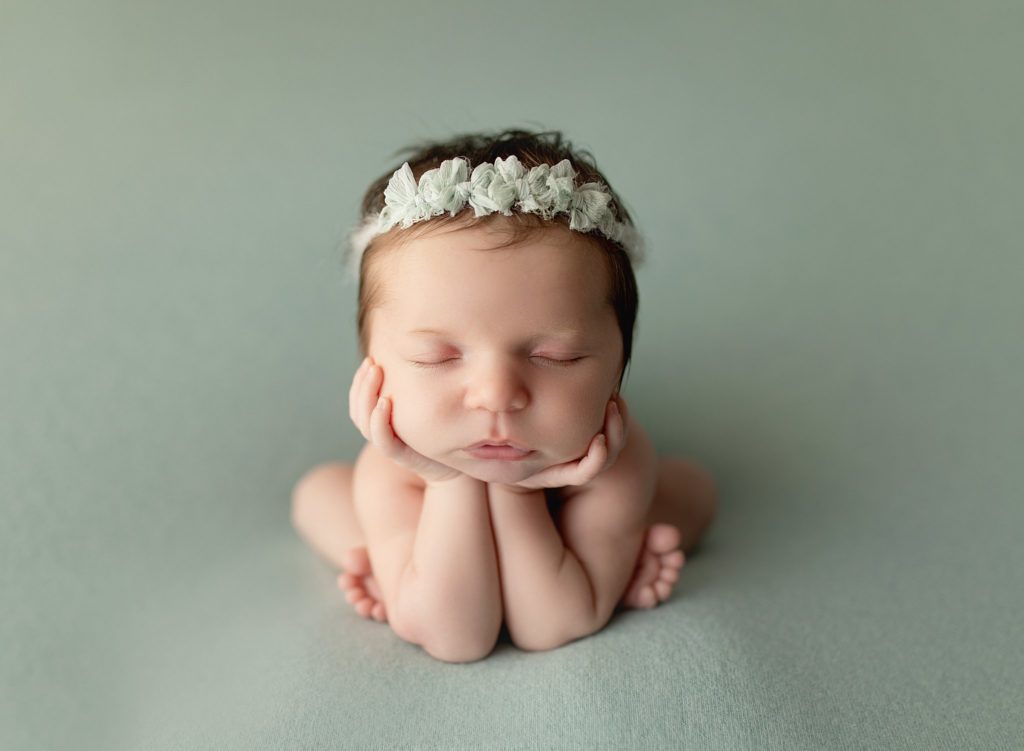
(503, 481)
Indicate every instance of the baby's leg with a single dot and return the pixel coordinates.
(685, 498)
(324, 516)
(683, 507)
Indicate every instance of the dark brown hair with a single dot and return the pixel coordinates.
(531, 148)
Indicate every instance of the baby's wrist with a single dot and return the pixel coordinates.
(448, 480)
(514, 489)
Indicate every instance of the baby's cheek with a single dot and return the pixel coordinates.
(416, 422)
(575, 431)
(406, 417)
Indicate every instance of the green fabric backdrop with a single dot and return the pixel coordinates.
(830, 321)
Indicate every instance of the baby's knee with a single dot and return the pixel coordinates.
(697, 484)
(318, 486)
(707, 493)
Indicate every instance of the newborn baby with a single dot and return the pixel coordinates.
(503, 482)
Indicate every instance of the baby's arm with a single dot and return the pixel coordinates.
(429, 538)
(433, 555)
(560, 587)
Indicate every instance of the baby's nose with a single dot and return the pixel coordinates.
(497, 391)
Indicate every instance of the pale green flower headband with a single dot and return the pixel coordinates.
(503, 186)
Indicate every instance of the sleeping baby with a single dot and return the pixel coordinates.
(504, 484)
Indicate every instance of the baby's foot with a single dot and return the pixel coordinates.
(360, 586)
(657, 568)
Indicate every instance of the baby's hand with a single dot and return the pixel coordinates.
(372, 415)
(601, 454)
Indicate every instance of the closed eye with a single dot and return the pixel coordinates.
(557, 362)
(549, 361)
(439, 364)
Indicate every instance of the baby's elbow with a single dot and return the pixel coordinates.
(457, 650)
(543, 643)
(445, 644)
(543, 640)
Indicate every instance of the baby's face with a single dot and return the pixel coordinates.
(516, 344)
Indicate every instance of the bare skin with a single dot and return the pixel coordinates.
(323, 513)
(447, 543)
(684, 505)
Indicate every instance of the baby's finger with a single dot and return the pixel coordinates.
(385, 438)
(616, 432)
(574, 472)
(623, 412)
(380, 426)
(369, 396)
(595, 458)
(354, 390)
(591, 464)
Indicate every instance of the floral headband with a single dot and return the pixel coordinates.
(505, 185)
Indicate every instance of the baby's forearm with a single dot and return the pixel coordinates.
(450, 591)
(547, 595)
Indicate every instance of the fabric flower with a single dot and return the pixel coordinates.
(440, 186)
(532, 190)
(547, 190)
(588, 206)
(402, 200)
(510, 169)
(490, 191)
(560, 187)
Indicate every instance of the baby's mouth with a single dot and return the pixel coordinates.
(497, 451)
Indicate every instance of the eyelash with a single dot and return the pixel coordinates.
(445, 363)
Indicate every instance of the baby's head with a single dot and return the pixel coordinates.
(501, 327)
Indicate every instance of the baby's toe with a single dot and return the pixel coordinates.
(663, 589)
(355, 594)
(356, 561)
(647, 597)
(669, 574)
(675, 559)
(662, 538)
(649, 567)
(364, 606)
(378, 612)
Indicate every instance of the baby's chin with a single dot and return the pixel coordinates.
(494, 471)
(508, 472)
(491, 470)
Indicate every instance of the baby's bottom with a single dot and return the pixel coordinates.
(323, 513)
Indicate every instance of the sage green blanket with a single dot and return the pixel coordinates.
(831, 322)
